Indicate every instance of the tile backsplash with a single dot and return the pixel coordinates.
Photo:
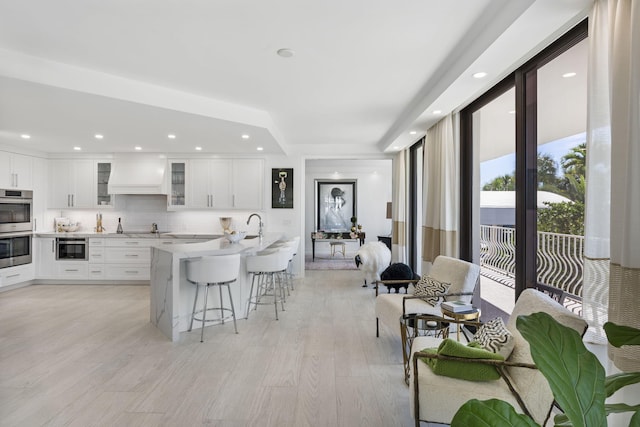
(138, 212)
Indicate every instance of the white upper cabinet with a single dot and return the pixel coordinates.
(247, 183)
(217, 183)
(210, 184)
(16, 171)
(72, 184)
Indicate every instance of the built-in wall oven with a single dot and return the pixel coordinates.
(16, 211)
(16, 216)
(15, 249)
(72, 249)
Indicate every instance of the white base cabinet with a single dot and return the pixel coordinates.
(18, 274)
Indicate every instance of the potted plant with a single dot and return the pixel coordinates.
(576, 377)
(354, 223)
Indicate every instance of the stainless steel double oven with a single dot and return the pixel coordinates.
(16, 224)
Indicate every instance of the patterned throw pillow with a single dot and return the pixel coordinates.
(431, 290)
(494, 336)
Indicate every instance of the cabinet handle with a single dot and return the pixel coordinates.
(96, 256)
(70, 270)
(96, 271)
(35, 224)
(17, 180)
(13, 275)
(73, 202)
(131, 272)
(68, 200)
(131, 255)
(53, 246)
(131, 243)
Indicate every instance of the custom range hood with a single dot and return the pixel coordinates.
(138, 175)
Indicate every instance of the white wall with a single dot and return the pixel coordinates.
(374, 189)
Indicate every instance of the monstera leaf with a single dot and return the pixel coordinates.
(491, 412)
(575, 375)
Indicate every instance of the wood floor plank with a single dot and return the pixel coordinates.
(73, 355)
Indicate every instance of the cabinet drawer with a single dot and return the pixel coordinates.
(128, 243)
(96, 271)
(73, 270)
(13, 275)
(95, 241)
(96, 254)
(127, 272)
(128, 255)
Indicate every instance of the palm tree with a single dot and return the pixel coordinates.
(501, 183)
(575, 161)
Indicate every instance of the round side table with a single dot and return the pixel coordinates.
(472, 315)
(411, 327)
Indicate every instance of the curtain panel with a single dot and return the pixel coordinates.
(440, 191)
(624, 73)
(399, 208)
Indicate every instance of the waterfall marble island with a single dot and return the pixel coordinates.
(172, 295)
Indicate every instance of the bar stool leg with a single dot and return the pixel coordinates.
(193, 312)
(253, 279)
(204, 312)
(275, 294)
(233, 309)
(221, 305)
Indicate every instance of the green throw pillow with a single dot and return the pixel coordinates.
(463, 370)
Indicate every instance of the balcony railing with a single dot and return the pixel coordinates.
(559, 258)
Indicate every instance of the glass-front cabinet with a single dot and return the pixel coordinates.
(178, 183)
(103, 170)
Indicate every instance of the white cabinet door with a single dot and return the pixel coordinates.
(16, 171)
(71, 183)
(83, 184)
(13, 275)
(248, 183)
(199, 196)
(178, 180)
(220, 184)
(40, 186)
(45, 257)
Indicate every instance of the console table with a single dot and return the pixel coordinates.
(334, 237)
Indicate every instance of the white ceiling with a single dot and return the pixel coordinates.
(364, 73)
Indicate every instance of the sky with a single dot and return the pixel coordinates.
(505, 165)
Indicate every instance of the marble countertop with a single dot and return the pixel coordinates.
(136, 235)
(221, 246)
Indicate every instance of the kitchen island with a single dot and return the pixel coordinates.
(172, 295)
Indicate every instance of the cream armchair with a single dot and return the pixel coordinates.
(437, 398)
(462, 276)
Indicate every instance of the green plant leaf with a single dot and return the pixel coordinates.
(615, 382)
(619, 335)
(616, 408)
(561, 420)
(493, 412)
(635, 420)
(575, 375)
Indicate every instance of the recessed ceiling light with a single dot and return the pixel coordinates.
(259, 148)
(171, 136)
(512, 111)
(480, 75)
(567, 75)
(437, 111)
(98, 136)
(245, 136)
(395, 147)
(25, 136)
(285, 52)
(137, 147)
(413, 132)
(198, 148)
(77, 148)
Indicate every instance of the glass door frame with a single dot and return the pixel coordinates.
(524, 79)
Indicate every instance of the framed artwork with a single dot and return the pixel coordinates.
(282, 188)
(335, 205)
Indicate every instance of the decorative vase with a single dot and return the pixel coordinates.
(225, 222)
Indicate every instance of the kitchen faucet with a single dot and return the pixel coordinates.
(260, 224)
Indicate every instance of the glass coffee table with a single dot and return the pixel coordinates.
(412, 326)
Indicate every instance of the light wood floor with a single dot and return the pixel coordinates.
(80, 355)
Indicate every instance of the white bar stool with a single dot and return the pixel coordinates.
(267, 266)
(213, 271)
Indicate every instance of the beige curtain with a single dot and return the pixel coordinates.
(595, 291)
(624, 71)
(440, 191)
(399, 207)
